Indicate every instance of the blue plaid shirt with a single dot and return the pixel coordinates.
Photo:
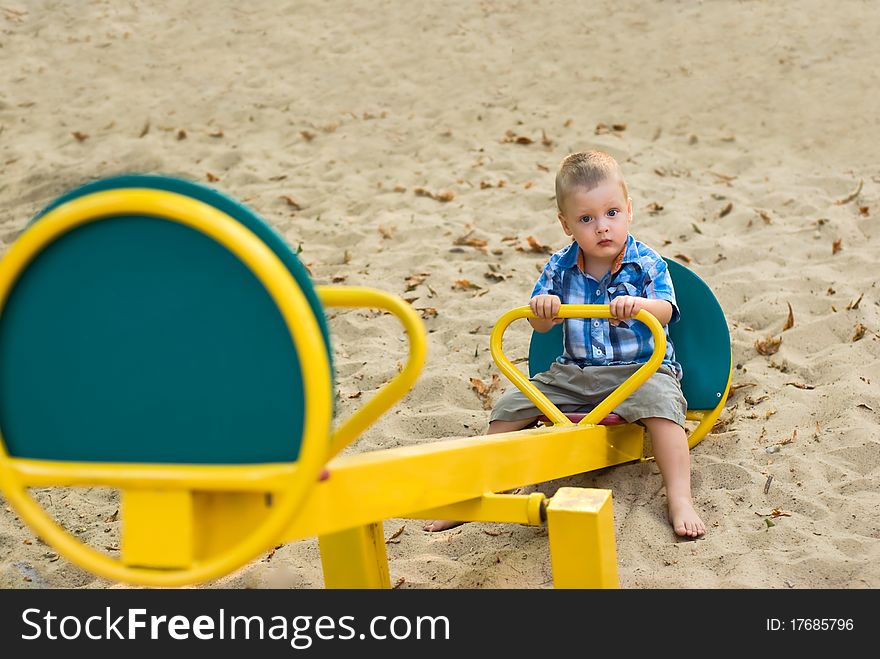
(595, 341)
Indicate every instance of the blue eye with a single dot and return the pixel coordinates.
(613, 212)
(586, 218)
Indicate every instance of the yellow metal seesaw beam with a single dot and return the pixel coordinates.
(367, 487)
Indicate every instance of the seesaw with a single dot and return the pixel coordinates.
(159, 338)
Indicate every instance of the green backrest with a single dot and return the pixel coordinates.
(701, 339)
(133, 339)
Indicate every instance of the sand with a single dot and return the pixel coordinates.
(748, 135)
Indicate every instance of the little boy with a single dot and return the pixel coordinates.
(605, 265)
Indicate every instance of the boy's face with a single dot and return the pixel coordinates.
(598, 220)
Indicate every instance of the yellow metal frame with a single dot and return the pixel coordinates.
(397, 388)
(706, 418)
(457, 478)
(355, 558)
(617, 396)
(17, 475)
(582, 519)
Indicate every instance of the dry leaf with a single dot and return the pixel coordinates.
(145, 129)
(216, 133)
(546, 141)
(306, 135)
(764, 216)
(800, 385)
(181, 134)
(386, 232)
(414, 280)
(444, 196)
(852, 195)
(864, 211)
(859, 332)
(338, 279)
(726, 210)
(603, 128)
(789, 440)
(755, 401)
(80, 137)
(484, 391)
(397, 584)
(495, 276)
(427, 312)
(768, 346)
(779, 512)
(855, 303)
(654, 207)
(293, 203)
(837, 246)
(212, 177)
(399, 188)
(511, 137)
(472, 242)
(395, 537)
(684, 257)
(789, 323)
(464, 285)
(535, 246)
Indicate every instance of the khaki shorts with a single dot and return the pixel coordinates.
(579, 389)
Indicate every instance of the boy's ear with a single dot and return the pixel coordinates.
(629, 208)
(564, 225)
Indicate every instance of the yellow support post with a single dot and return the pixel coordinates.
(158, 528)
(355, 558)
(581, 530)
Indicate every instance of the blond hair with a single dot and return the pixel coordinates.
(587, 169)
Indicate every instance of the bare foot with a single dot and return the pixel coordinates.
(684, 519)
(440, 525)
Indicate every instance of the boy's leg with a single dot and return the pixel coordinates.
(674, 460)
(494, 427)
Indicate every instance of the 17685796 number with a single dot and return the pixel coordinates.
(809, 624)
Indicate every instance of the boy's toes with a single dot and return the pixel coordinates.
(440, 525)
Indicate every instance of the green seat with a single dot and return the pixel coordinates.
(138, 340)
(701, 339)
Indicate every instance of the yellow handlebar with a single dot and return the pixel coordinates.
(397, 388)
(577, 311)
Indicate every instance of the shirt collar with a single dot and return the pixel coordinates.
(574, 256)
